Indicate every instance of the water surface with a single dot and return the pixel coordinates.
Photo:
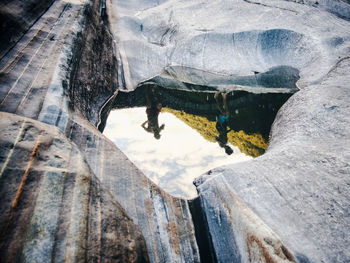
(193, 140)
(173, 161)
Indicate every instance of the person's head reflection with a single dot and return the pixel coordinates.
(222, 119)
(153, 109)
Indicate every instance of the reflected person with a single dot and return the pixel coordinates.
(222, 119)
(153, 109)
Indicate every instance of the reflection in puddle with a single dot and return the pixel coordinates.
(174, 136)
(174, 160)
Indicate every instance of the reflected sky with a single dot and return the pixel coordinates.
(173, 161)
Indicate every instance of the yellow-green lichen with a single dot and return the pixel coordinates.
(250, 144)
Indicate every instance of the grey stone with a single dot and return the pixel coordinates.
(53, 207)
(58, 81)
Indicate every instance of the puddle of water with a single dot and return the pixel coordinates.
(173, 161)
(203, 130)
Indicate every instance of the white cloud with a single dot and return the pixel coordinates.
(174, 161)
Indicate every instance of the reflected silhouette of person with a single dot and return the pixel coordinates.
(153, 109)
(222, 122)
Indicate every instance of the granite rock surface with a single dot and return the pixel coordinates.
(53, 208)
(230, 38)
(298, 191)
(66, 53)
(71, 195)
(16, 17)
(300, 187)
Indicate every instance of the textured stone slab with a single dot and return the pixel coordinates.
(228, 37)
(72, 82)
(53, 208)
(165, 221)
(291, 204)
(300, 187)
(16, 18)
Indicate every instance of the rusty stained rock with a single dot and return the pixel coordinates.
(267, 250)
(53, 208)
(237, 233)
(41, 79)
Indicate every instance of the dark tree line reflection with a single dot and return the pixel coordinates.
(234, 113)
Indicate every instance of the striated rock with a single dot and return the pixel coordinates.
(16, 17)
(94, 67)
(53, 207)
(165, 221)
(30, 72)
(69, 194)
(297, 192)
(43, 83)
